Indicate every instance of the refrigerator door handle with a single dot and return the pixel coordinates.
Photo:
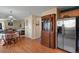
(63, 30)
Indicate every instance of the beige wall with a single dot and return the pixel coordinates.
(32, 30)
(16, 24)
(22, 22)
(51, 11)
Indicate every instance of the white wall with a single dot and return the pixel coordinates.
(28, 26)
(33, 31)
(36, 27)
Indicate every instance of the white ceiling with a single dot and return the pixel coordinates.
(20, 12)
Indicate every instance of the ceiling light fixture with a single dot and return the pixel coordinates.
(11, 18)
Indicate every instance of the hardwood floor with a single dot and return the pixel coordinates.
(25, 45)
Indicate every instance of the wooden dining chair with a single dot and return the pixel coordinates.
(9, 40)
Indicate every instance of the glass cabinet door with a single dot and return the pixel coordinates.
(46, 25)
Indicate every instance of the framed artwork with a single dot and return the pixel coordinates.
(10, 23)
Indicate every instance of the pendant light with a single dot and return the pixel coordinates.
(11, 18)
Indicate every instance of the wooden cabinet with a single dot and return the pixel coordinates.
(48, 31)
(44, 38)
(69, 13)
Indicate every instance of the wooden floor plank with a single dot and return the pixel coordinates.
(26, 45)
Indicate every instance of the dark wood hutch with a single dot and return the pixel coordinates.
(48, 30)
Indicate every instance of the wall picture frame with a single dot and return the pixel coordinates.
(10, 23)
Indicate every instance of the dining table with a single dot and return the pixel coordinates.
(8, 37)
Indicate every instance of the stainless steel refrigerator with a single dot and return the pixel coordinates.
(67, 34)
